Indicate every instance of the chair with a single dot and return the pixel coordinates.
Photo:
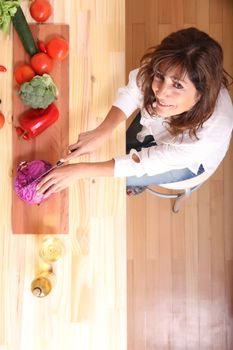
(186, 187)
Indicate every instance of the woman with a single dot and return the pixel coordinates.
(184, 125)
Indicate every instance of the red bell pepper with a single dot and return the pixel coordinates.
(35, 121)
(22, 134)
(3, 68)
(41, 46)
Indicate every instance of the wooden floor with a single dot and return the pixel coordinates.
(180, 266)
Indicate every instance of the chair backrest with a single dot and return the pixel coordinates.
(190, 183)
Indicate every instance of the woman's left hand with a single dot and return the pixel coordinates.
(58, 179)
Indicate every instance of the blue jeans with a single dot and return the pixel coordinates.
(163, 178)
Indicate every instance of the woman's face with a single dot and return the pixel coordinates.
(173, 95)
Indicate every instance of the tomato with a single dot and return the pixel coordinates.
(2, 120)
(58, 48)
(24, 73)
(41, 63)
(40, 10)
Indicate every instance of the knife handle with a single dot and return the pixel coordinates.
(59, 163)
(73, 150)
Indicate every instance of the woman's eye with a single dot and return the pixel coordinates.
(178, 85)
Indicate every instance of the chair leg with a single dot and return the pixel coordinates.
(179, 198)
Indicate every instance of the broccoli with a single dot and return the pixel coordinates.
(40, 92)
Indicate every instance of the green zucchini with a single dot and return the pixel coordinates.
(24, 32)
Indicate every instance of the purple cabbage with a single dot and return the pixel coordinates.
(26, 173)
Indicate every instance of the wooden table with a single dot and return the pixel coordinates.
(87, 307)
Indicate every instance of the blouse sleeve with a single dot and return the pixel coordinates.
(130, 96)
(157, 159)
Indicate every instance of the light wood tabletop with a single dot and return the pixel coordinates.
(86, 308)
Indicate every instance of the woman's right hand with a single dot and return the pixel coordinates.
(87, 142)
(90, 141)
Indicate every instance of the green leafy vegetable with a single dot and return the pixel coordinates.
(40, 92)
(8, 9)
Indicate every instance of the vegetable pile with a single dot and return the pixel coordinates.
(24, 184)
(41, 54)
(36, 88)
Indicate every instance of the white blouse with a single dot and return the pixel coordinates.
(170, 153)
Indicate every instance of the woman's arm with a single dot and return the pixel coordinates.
(114, 117)
(91, 140)
(129, 99)
(66, 175)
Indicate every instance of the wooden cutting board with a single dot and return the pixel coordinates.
(50, 217)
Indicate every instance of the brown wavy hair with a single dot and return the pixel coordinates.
(199, 56)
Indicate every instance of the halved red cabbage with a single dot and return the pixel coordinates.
(26, 173)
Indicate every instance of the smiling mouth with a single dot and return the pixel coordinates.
(161, 104)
